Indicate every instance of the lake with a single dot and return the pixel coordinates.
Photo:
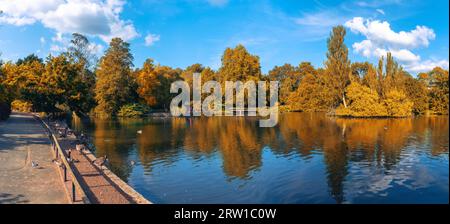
(306, 158)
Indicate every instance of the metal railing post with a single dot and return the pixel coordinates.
(65, 173)
(73, 191)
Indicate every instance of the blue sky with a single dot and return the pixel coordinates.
(180, 33)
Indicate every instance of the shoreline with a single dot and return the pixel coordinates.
(115, 189)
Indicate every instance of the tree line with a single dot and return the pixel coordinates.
(76, 81)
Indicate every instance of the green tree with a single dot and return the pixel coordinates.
(115, 85)
(79, 54)
(28, 59)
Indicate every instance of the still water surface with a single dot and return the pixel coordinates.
(306, 158)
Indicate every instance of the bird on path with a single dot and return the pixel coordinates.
(101, 161)
(34, 164)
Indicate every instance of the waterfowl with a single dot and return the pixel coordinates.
(34, 164)
(101, 161)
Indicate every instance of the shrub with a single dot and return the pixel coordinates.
(133, 110)
(21, 106)
(362, 102)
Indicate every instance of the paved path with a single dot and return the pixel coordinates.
(22, 140)
(99, 188)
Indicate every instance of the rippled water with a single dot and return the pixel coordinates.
(307, 158)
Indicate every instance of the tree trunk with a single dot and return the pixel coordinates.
(343, 100)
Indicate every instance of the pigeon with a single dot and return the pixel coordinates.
(34, 164)
(101, 161)
(58, 163)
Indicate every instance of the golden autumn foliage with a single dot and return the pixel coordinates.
(22, 106)
(73, 81)
(239, 64)
(439, 91)
(362, 102)
(154, 84)
(397, 104)
(147, 83)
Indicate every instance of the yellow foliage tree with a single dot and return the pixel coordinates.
(397, 104)
(362, 102)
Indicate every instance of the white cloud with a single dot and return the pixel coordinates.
(97, 17)
(322, 19)
(380, 39)
(150, 39)
(380, 11)
(426, 66)
(382, 34)
(368, 49)
(217, 2)
(42, 40)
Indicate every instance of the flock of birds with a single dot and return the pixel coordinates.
(81, 148)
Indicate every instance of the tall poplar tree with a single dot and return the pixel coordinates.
(337, 65)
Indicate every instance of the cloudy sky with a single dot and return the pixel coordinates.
(183, 32)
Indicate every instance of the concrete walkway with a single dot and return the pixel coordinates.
(23, 140)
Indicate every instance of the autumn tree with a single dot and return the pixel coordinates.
(397, 104)
(24, 79)
(439, 91)
(288, 77)
(208, 74)
(337, 65)
(239, 64)
(5, 100)
(417, 92)
(148, 82)
(187, 74)
(154, 84)
(115, 85)
(370, 78)
(362, 102)
(312, 94)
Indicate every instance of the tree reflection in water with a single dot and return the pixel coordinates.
(364, 146)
